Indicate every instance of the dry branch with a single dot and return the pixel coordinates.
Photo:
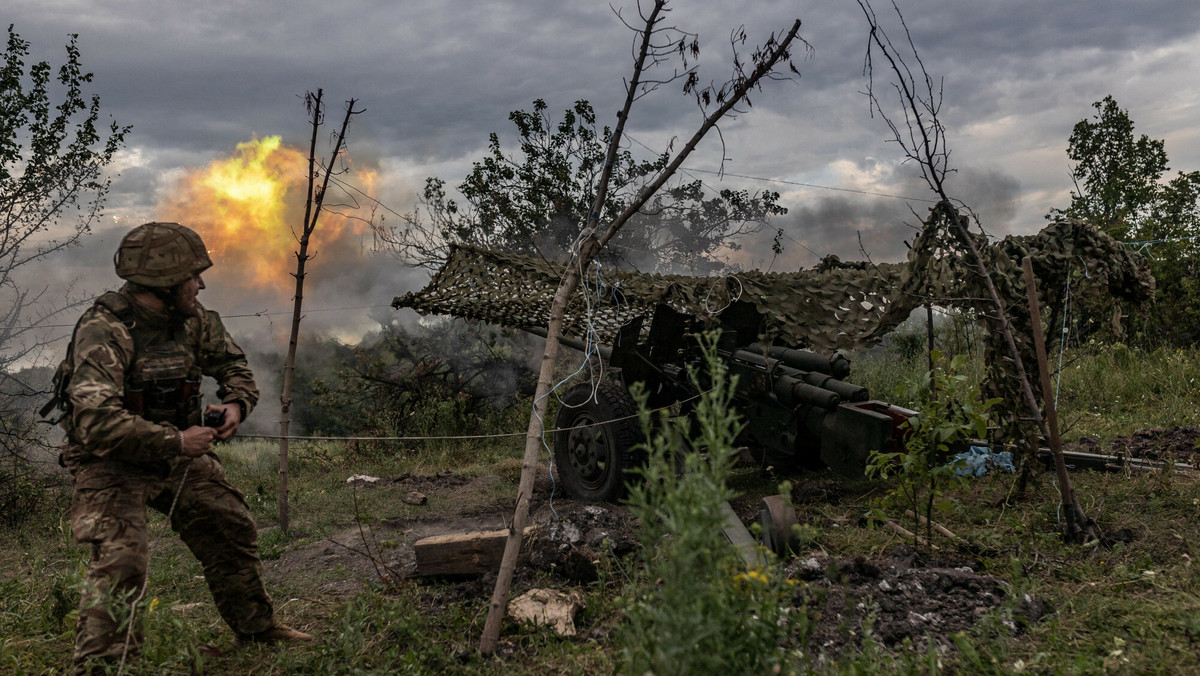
(588, 247)
(312, 211)
(923, 140)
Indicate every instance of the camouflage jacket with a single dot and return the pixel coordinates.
(134, 381)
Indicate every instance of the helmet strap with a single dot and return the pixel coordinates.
(168, 296)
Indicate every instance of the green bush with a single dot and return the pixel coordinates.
(950, 412)
(700, 611)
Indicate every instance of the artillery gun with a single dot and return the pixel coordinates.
(797, 407)
(796, 404)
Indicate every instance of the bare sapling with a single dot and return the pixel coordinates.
(922, 137)
(655, 43)
(312, 211)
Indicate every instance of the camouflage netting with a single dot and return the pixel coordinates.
(834, 305)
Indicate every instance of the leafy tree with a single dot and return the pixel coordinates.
(1116, 176)
(951, 413)
(1120, 188)
(1174, 252)
(53, 155)
(536, 201)
(438, 378)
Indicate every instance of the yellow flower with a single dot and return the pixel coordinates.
(153, 605)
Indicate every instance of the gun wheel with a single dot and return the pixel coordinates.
(593, 441)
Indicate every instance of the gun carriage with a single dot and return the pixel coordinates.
(796, 404)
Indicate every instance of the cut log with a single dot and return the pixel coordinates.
(472, 553)
(904, 532)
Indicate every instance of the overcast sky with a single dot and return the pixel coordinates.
(194, 79)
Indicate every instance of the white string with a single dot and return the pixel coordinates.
(732, 299)
(1062, 339)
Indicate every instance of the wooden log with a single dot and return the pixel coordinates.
(737, 534)
(904, 532)
(936, 526)
(472, 553)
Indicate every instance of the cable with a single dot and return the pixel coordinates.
(798, 183)
(460, 437)
(264, 313)
(1142, 244)
(1062, 339)
(590, 350)
(815, 185)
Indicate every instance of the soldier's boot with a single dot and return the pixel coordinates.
(280, 633)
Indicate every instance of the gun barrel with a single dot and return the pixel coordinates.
(837, 366)
(791, 386)
(573, 343)
(846, 391)
(794, 392)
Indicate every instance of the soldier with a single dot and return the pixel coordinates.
(130, 389)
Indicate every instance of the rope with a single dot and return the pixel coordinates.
(461, 437)
(1062, 339)
(1142, 244)
(589, 352)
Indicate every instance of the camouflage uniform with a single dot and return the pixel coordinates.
(133, 387)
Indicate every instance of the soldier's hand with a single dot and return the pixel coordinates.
(233, 417)
(197, 440)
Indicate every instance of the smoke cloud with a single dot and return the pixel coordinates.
(861, 226)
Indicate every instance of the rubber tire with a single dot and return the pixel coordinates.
(591, 462)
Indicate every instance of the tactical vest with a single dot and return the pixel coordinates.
(162, 384)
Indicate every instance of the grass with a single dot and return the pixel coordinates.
(1104, 390)
(1131, 607)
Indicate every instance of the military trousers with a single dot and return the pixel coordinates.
(108, 512)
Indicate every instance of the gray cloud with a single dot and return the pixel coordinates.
(435, 78)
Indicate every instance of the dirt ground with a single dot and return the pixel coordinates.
(905, 596)
(1155, 443)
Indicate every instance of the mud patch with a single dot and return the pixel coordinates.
(900, 596)
(900, 599)
(1154, 443)
(574, 537)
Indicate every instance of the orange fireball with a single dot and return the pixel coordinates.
(249, 208)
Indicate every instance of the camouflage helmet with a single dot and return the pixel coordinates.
(161, 255)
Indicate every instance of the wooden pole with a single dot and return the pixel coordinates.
(289, 369)
(1076, 519)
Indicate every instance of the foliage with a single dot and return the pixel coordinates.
(440, 378)
(1120, 188)
(536, 200)
(1119, 175)
(702, 612)
(1128, 608)
(52, 162)
(1107, 390)
(1174, 229)
(950, 412)
(53, 156)
(23, 493)
(955, 331)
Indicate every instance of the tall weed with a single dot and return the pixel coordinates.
(701, 611)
